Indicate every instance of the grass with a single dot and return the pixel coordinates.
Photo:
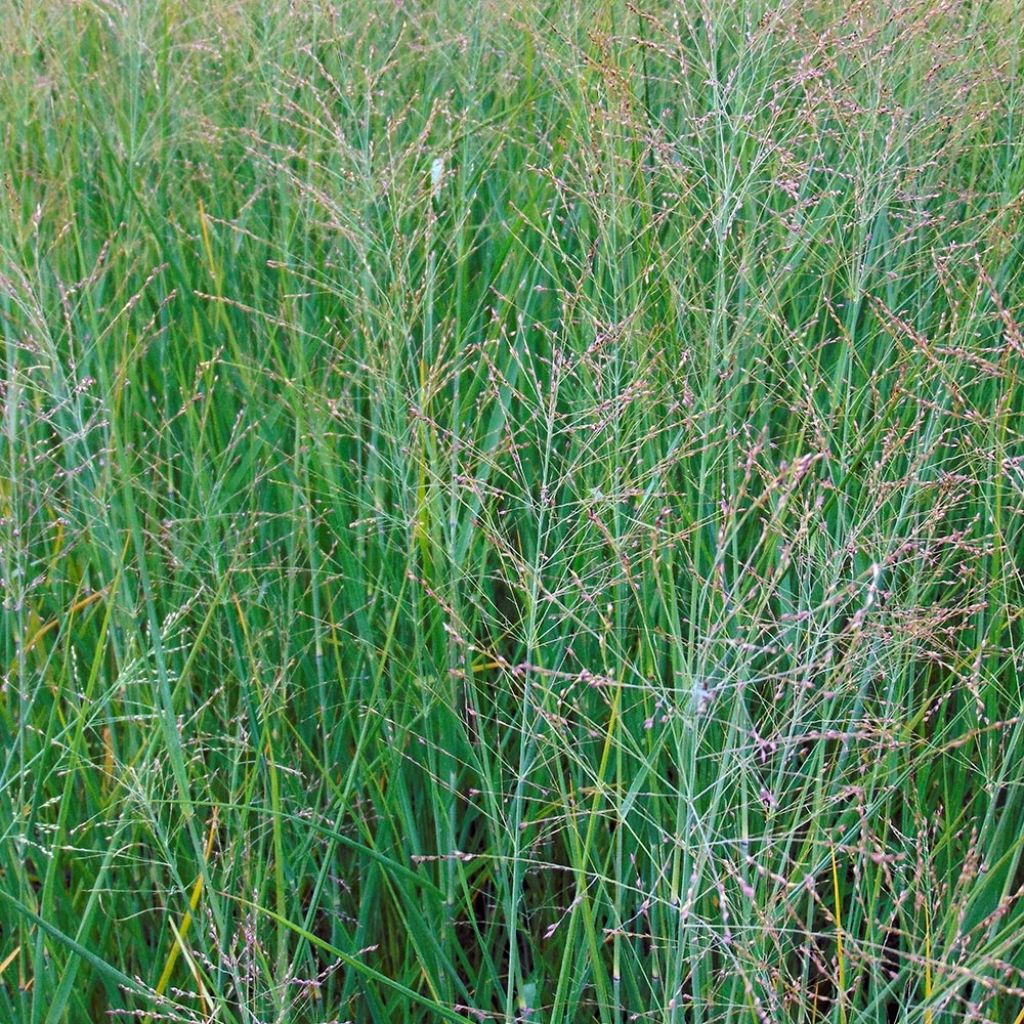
(511, 511)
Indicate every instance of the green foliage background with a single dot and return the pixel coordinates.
(511, 511)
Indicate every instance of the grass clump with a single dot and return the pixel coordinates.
(511, 512)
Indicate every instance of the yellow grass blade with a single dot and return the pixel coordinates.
(839, 938)
(54, 623)
(9, 959)
(181, 931)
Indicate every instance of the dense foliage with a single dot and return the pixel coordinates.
(511, 511)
